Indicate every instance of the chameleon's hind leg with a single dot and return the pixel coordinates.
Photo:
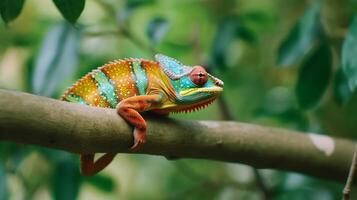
(90, 167)
(129, 109)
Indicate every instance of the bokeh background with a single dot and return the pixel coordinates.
(285, 63)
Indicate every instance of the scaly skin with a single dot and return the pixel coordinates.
(133, 86)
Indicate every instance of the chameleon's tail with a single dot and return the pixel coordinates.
(89, 167)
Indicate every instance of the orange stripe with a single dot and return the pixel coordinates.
(119, 73)
(86, 89)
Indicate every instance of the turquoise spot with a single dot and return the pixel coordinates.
(183, 83)
(75, 99)
(105, 88)
(176, 85)
(140, 79)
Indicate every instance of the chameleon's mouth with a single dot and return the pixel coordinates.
(194, 107)
(214, 89)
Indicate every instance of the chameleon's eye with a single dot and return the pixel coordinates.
(198, 75)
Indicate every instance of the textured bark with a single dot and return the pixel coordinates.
(31, 119)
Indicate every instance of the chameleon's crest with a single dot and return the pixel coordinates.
(172, 68)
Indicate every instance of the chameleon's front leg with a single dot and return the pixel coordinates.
(130, 109)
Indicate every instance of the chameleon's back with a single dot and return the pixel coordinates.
(113, 82)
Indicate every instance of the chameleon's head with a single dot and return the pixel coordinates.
(198, 86)
(194, 87)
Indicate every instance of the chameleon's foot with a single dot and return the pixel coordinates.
(90, 168)
(139, 139)
(129, 109)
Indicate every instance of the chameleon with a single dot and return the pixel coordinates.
(133, 86)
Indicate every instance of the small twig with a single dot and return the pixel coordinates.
(127, 33)
(101, 33)
(107, 7)
(227, 115)
(347, 189)
(261, 185)
(124, 31)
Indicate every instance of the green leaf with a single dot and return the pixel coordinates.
(10, 9)
(70, 9)
(157, 29)
(66, 180)
(56, 60)
(102, 182)
(314, 76)
(301, 38)
(349, 58)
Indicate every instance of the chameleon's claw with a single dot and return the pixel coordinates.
(137, 145)
(139, 139)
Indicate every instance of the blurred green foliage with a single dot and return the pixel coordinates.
(281, 64)
(349, 60)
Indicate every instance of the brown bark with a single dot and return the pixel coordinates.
(31, 119)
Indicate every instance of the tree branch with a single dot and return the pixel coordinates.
(31, 119)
